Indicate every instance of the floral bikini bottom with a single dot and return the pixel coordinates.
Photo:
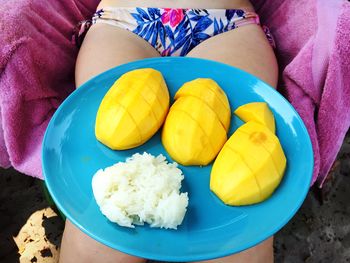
(173, 32)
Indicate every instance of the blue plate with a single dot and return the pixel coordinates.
(71, 156)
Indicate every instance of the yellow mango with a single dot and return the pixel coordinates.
(232, 181)
(132, 110)
(270, 143)
(192, 133)
(257, 111)
(112, 129)
(261, 165)
(209, 92)
(185, 142)
(252, 154)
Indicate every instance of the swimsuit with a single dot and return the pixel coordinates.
(173, 32)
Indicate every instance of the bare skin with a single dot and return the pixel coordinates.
(118, 47)
(245, 48)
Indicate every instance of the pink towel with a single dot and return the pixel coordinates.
(37, 65)
(36, 73)
(313, 44)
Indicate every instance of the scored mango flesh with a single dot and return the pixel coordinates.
(257, 111)
(132, 110)
(249, 167)
(209, 92)
(193, 132)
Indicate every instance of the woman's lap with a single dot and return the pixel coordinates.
(247, 48)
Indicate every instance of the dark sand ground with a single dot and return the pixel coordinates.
(30, 231)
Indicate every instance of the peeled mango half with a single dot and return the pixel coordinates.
(250, 166)
(132, 110)
(196, 126)
(209, 92)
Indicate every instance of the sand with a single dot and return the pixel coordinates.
(30, 230)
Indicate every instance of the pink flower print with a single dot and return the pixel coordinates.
(174, 16)
(166, 52)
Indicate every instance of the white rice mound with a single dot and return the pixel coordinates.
(142, 189)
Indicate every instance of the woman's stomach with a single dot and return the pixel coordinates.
(207, 4)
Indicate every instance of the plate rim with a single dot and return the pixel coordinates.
(140, 253)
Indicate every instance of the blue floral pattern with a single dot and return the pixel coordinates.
(191, 27)
(175, 32)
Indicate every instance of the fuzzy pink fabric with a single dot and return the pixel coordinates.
(36, 73)
(37, 61)
(313, 50)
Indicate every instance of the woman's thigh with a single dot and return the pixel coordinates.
(107, 46)
(246, 48)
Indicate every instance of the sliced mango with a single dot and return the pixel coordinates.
(185, 142)
(209, 92)
(132, 110)
(206, 120)
(192, 133)
(235, 177)
(260, 165)
(257, 111)
(270, 143)
(112, 129)
(252, 154)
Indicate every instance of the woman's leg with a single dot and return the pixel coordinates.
(77, 247)
(107, 46)
(104, 47)
(246, 48)
(262, 253)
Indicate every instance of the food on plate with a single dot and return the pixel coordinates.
(249, 167)
(209, 92)
(193, 132)
(257, 111)
(132, 110)
(144, 189)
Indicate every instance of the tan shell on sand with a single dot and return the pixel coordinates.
(32, 242)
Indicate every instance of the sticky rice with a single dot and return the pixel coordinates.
(144, 189)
